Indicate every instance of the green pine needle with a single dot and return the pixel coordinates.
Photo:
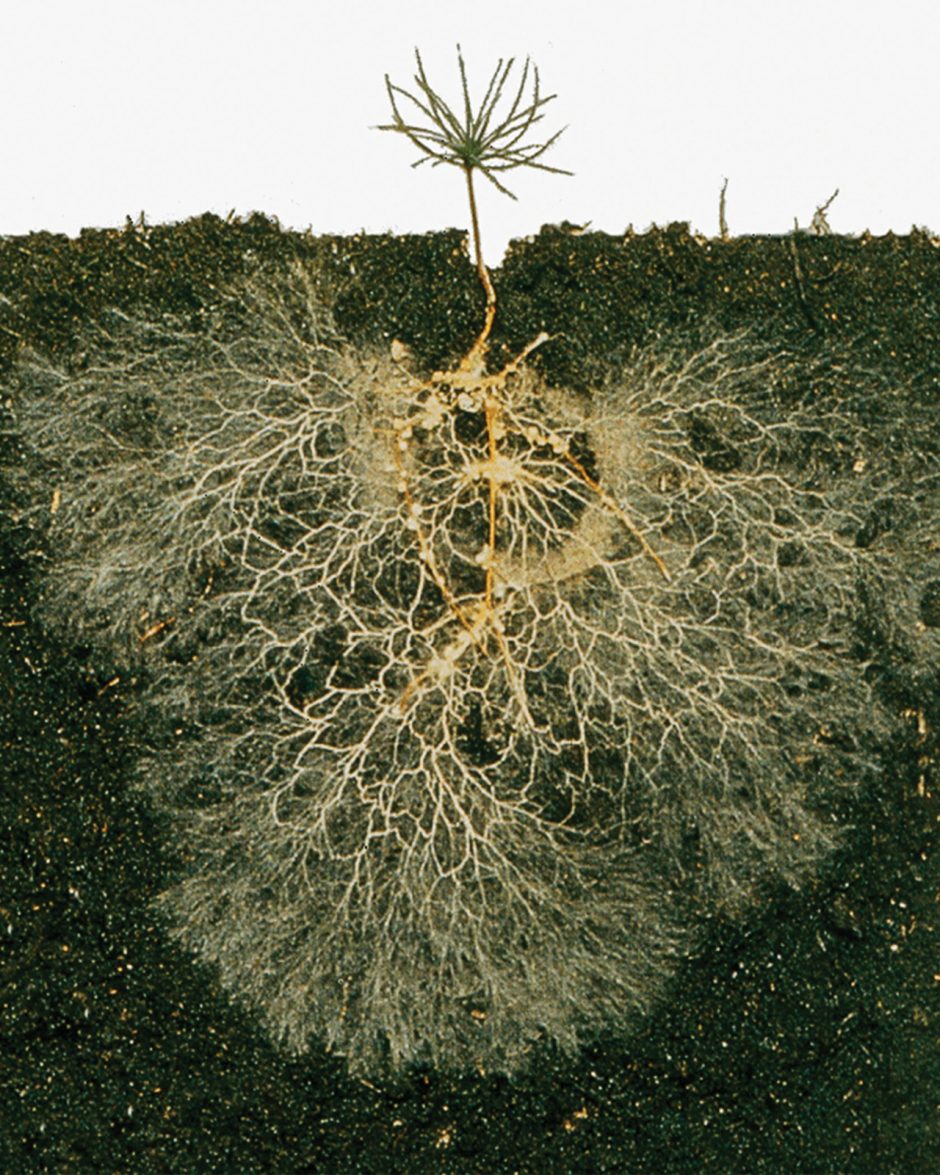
(477, 140)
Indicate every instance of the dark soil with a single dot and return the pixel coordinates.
(805, 1040)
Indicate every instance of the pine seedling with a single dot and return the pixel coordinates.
(483, 140)
(521, 468)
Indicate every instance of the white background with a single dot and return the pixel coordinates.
(175, 107)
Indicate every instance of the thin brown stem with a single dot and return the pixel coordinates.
(479, 347)
(492, 415)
